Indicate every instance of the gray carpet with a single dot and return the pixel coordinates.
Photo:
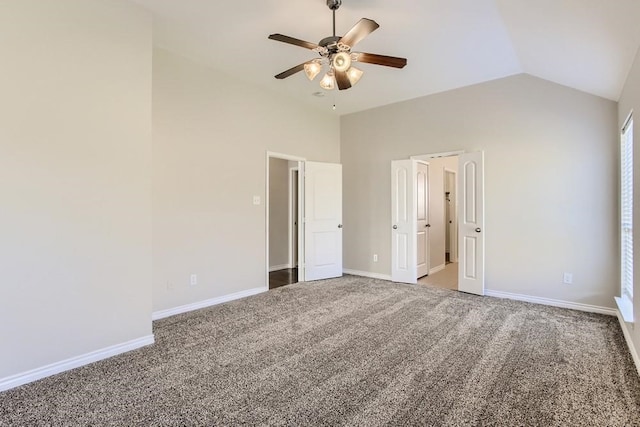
(353, 351)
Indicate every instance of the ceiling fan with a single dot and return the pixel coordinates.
(335, 51)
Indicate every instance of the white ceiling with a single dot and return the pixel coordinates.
(584, 44)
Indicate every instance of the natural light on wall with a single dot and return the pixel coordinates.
(625, 301)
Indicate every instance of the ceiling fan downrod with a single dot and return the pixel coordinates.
(334, 5)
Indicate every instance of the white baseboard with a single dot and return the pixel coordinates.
(279, 267)
(552, 302)
(627, 338)
(73, 362)
(367, 274)
(161, 314)
(437, 268)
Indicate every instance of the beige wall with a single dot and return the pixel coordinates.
(550, 181)
(278, 212)
(630, 101)
(211, 133)
(75, 168)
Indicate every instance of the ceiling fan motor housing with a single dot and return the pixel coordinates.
(334, 4)
(331, 43)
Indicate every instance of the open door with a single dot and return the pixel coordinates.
(471, 223)
(403, 221)
(323, 220)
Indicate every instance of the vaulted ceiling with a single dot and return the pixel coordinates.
(588, 45)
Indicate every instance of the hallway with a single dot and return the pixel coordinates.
(283, 277)
(447, 278)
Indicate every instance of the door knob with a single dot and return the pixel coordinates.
(395, 227)
(339, 225)
(478, 230)
(428, 225)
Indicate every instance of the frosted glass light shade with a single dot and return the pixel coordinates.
(341, 61)
(328, 82)
(312, 69)
(354, 75)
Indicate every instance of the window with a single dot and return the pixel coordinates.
(626, 221)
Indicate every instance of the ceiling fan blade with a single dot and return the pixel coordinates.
(342, 80)
(362, 29)
(293, 41)
(290, 71)
(387, 61)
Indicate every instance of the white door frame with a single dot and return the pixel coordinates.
(426, 157)
(300, 160)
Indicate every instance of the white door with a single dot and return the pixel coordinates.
(323, 220)
(471, 223)
(422, 218)
(403, 221)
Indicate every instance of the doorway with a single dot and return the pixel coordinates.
(443, 245)
(294, 176)
(451, 218)
(282, 220)
(303, 219)
(455, 221)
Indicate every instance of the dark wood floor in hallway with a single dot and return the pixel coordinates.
(283, 277)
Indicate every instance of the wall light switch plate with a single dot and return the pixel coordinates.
(568, 278)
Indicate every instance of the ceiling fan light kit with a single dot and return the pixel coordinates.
(335, 52)
(312, 68)
(354, 75)
(328, 82)
(341, 61)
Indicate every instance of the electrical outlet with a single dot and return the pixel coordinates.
(568, 278)
(256, 200)
(375, 257)
(193, 280)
